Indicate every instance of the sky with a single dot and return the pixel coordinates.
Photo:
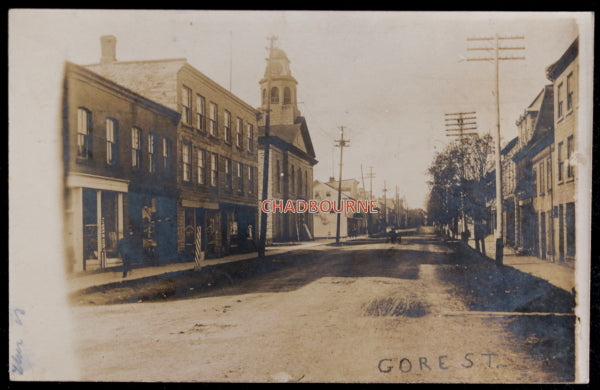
(388, 77)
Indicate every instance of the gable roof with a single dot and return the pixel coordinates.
(544, 122)
(289, 134)
(543, 128)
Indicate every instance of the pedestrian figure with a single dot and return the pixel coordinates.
(392, 235)
(127, 249)
(466, 235)
(480, 237)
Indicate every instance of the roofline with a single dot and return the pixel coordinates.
(220, 87)
(72, 67)
(137, 61)
(190, 67)
(335, 189)
(556, 68)
(511, 144)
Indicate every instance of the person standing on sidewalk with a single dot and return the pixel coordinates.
(127, 247)
(479, 237)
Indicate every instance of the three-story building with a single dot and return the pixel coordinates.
(216, 150)
(564, 75)
(119, 163)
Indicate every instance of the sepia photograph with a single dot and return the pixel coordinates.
(300, 196)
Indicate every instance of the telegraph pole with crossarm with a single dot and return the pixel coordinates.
(496, 58)
(461, 125)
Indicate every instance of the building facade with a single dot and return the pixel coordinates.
(564, 75)
(291, 153)
(119, 165)
(533, 187)
(508, 191)
(216, 151)
(357, 222)
(325, 224)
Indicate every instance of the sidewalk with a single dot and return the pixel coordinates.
(85, 279)
(561, 275)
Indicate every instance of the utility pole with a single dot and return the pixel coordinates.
(341, 143)
(370, 176)
(265, 184)
(496, 48)
(461, 125)
(385, 189)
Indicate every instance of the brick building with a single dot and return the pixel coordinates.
(216, 145)
(118, 150)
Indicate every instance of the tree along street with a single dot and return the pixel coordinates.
(424, 310)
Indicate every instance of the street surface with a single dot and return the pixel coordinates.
(423, 310)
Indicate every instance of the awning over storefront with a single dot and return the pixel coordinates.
(97, 182)
(199, 204)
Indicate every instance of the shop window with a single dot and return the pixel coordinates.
(239, 139)
(570, 149)
(136, 147)
(559, 101)
(251, 180)
(187, 162)
(111, 142)
(227, 126)
(250, 136)
(84, 133)
(152, 152)
(200, 112)
(213, 119)
(213, 169)
(570, 231)
(201, 166)
(560, 161)
(228, 174)
(240, 177)
(166, 155)
(570, 91)
(186, 105)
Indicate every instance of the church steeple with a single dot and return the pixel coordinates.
(278, 77)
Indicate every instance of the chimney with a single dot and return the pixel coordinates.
(108, 46)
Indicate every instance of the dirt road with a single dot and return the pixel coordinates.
(420, 311)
